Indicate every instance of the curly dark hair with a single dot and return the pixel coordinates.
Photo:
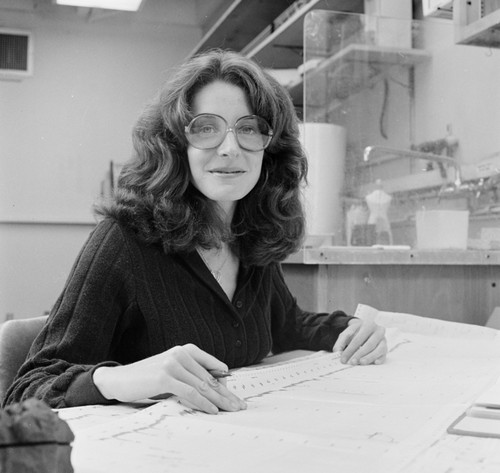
(156, 199)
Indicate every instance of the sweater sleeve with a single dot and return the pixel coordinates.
(296, 329)
(83, 327)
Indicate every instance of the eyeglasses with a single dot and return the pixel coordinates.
(207, 131)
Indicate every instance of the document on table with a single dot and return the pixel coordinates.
(424, 325)
(490, 397)
(312, 413)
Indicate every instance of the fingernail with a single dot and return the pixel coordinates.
(213, 382)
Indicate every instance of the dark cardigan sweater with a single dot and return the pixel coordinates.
(125, 301)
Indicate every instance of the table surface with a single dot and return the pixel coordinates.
(308, 412)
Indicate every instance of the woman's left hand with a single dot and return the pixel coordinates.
(362, 343)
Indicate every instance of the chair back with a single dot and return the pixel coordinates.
(16, 337)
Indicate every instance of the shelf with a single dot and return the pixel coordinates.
(355, 67)
(370, 55)
(239, 22)
(483, 32)
(377, 55)
(472, 29)
(281, 47)
(352, 255)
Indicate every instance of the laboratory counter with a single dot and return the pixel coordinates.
(456, 285)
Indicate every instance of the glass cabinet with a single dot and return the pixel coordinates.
(401, 128)
(403, 204)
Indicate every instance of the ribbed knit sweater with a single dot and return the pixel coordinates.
(125, 300)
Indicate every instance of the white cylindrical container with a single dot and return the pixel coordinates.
(325, 146)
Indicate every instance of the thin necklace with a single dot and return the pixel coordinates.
(216, 273)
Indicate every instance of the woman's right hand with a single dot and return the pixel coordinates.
(181, 371)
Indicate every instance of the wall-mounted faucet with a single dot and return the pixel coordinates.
(389, 154)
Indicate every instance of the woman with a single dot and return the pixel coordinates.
(182, 275)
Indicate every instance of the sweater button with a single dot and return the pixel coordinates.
(239, 304)
(238, 343)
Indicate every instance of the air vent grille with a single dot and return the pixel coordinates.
(15, 53)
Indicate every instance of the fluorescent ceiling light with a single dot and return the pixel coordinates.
(128, 5)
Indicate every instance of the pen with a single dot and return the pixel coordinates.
(217, 374)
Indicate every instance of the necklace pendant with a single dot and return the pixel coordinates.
(216, 273)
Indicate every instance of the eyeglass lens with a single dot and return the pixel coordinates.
(208, 131)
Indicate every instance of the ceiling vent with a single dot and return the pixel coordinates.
(16, 54)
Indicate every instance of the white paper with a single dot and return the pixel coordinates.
(315, 414)
(490, 397)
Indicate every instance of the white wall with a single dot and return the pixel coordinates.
(36, 260)
(60, 128)
(460, 87)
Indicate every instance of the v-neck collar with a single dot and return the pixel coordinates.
(194, 260)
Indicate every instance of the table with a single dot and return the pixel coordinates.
(308, 412)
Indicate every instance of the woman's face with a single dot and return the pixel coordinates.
(226, 173)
